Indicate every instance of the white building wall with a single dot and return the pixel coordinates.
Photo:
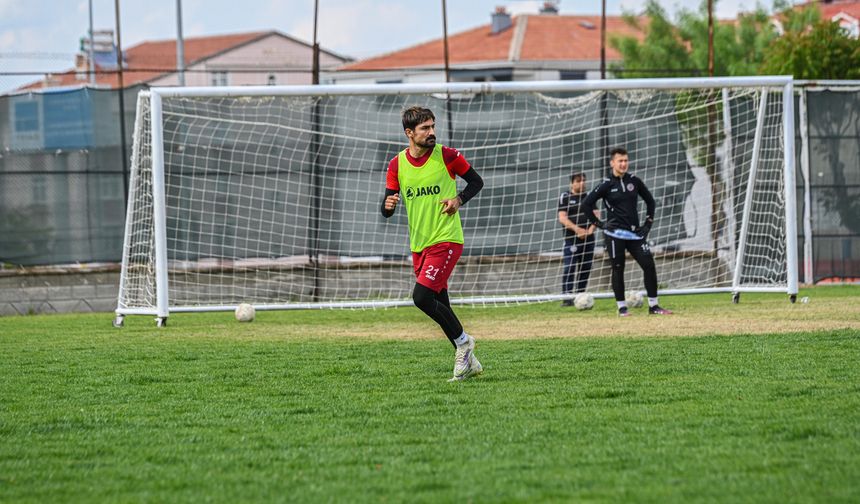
(522, 71)
(848, 23)
(254, 60)
(404, 76)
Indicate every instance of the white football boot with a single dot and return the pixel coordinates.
(464, 361)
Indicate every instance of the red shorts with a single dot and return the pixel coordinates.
(434, 264)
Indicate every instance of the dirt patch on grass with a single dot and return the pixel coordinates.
(762, 317)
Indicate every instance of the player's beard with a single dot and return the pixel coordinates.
(429, 142)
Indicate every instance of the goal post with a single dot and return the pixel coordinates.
(270, 195)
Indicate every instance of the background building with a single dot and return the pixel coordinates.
(544, 46)
(254, 58)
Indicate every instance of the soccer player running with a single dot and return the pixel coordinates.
(578, 251)
(424, 173)
(620, 192)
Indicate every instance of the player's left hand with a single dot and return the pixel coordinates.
(450, 206)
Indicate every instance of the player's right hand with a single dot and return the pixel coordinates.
(391, 201)
(645, 229)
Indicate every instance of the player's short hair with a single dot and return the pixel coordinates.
(577, 176)
(617, 150)
(413, 116)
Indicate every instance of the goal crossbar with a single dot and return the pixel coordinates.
(473, 87)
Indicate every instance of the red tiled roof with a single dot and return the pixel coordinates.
(572, 37)
(545, 37)
(149, 60)
(830, 9)
(477, 44)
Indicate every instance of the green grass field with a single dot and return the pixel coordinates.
(756, 402)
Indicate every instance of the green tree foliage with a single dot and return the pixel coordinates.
(808, 48)
(662, 54)
(681, 49)
(738, 48)
(820, 51)
(796, 20)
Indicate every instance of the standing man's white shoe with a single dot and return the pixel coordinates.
(464, 360)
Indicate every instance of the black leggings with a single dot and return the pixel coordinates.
(642, 253)
(438, 308)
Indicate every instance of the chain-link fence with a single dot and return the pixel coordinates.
(829, 180)
(64, 165)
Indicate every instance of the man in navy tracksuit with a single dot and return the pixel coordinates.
(579, 240)
(620, 192)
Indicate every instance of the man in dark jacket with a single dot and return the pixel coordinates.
(620, 192)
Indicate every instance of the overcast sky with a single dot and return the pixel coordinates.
(43, 35)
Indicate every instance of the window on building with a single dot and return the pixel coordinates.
(219, 79)
(488, 75)
(271, 81)
(572, 75)
(496, 77)
(26, 116)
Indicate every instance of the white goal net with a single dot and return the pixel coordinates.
(271, 196)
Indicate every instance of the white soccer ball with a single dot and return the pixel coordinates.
(634, 299)
(245, 312)
(583, 301)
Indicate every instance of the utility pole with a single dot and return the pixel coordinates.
(445, 40)
(316, 168)
(710, 38)
(315, 65)
(604, 120)
(711, 161)
(121, 93)
(180, 45)
(447, 70)
(603, 40)
(91, 52)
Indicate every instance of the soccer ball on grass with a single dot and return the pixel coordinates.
(634, 299)
(245, 313)
(583, 301)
